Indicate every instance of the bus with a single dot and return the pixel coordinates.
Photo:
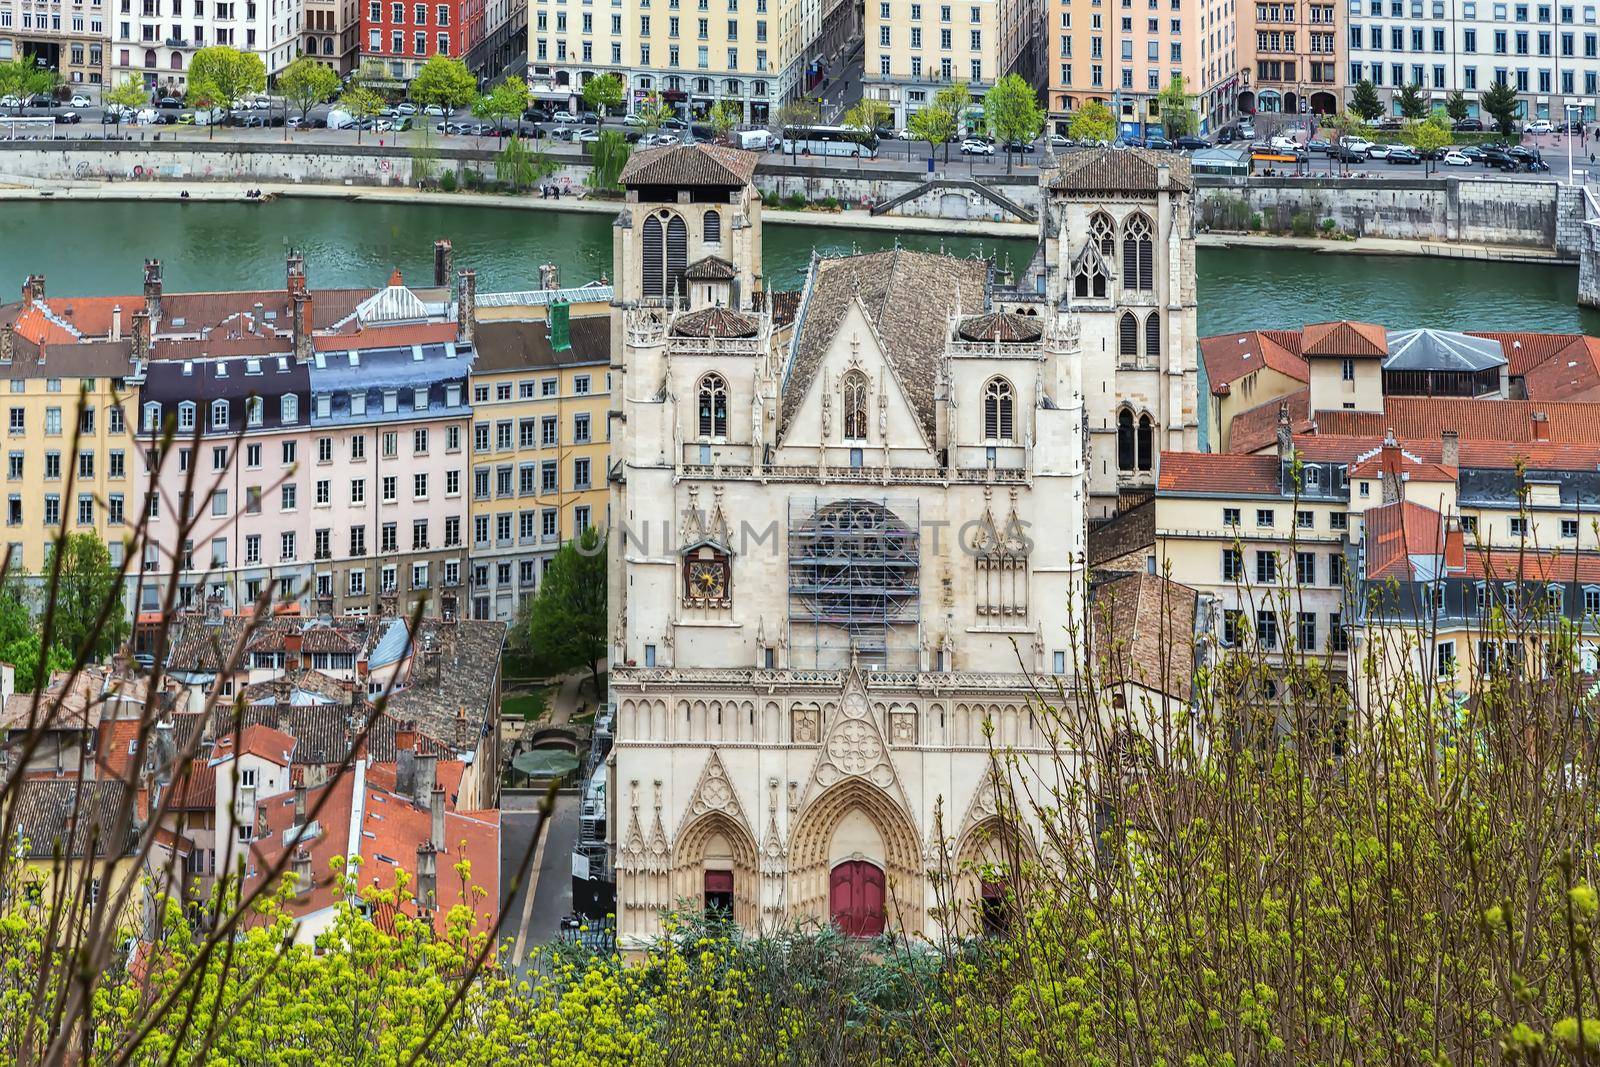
(829, 141)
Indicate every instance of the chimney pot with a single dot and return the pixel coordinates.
(426, 777)
(116, 323)
(436, 834)
(443, 261)
(467, 307)
(1450, 449)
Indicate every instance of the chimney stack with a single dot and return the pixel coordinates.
(436, 834)
(427, 875)
(1541, 426)
(1389, 468)
(7, 343)
(300, 313)
(152, 289)
(141, 336)
(302, 871)
(549, 276)
(1450, 449)
(34, 289)
(443, 263)
(1285, 435)
(426, 777)
(294, 271)
(300, 804)
(116, 323)
(467, 308)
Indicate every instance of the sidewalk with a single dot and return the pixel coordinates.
(1383, 246)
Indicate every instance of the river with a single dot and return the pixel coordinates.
(97, 248)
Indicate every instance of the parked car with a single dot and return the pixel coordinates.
(649, 140)
(1538, 126)
(1469, 126)
(1059, 141)
(589, 118)
(68, 117)
(433, 109)
(405, 107)
(536, 114)
(1018, 146)
(628, 120)
(187, 119)
(1471, 151)
(10, 101)
(1286, 144)
(79, 100)
(1453, 158)
(1158, 142)
(974, 147)
(674, 124)
(1344, 153)
(170, 103)
(1359, 144)
(1378, 151)
(1499, 160)
(1317, 144)
(564, 117)
(588, 136)
(1403, 156)
(1190, 143)
(41, 100)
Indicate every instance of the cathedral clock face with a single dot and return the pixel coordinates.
(708, 580)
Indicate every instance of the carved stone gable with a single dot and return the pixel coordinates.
(854, 746)
(714, 793)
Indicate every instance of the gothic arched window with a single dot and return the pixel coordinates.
(1104, 234)
(1152, 337)
(1126, 457)
(1128, 337)
(1089, 282)
(1138, 254)
(654, 264)
(713, 406)
(997, 410)
(677, 256)
(855, 405)
(713, 227)
(1147, 428)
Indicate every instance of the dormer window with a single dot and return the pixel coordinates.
(289, 409)
(186, 415)
(152, 417)
(253, 410)
(219, 414)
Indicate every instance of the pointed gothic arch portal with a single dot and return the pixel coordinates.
(714, 865)
(839, 827)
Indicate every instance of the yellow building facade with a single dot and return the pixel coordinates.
(541, 388)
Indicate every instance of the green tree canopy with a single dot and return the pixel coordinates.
(1500, 101)
(724, 116)
(503, 103)
(85, 588)
(955, 98)
(22, 78)
(934, 125)
(305, 83)
(1428, 135)
(566, 622)
(1364, 100)
(1012, 112)
(521, 166)
(220, 76)
(445, 82)
(1411, 101)
(1093, 122)
(610, 155)
(1178, 116)
(603, 93)
(868, 115)
(361, 103)
(653, 112)
(1455, 105)
(128, 93)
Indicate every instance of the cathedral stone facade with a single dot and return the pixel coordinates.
(847, 551)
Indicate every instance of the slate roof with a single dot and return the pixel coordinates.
(1119, 170)
(908, 298)
(688, 165)
(1002, 326)
(70, 815)
(516, 344)
(715, 322)
(710, 269)
(1150, 637)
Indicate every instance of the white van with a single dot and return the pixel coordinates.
(340, 119)
(754, 140)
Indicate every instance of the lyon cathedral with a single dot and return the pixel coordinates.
(848, 535)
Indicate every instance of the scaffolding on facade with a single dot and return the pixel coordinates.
(854, 583)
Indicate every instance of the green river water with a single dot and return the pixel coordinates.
(97, 248)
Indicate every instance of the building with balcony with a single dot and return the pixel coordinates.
(1123, 55)
(396, 38)
(154, 40)
(1550, 53)
(541, 439)
(690, 54)
(67, 36)
(823, 582)
(1291, 58)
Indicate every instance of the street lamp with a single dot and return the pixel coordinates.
(1570, 108)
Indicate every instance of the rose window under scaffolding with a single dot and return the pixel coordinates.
(854, 583)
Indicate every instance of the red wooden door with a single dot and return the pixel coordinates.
(856, 898)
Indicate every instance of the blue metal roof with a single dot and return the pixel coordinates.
(392, 647)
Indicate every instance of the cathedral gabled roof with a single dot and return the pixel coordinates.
(907, 296)
(715, 322)
(1120, 170)
(710, 269)
(687, 165)
(1003, 326)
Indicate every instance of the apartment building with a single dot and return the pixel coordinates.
(69, 441)
(541, 389)
(67, 36)
(332, 33)
(692, 54)
(1122, 55)
(399, 36)
(1291, 57)
(1549, 52)
(154, 40)
(914, 48)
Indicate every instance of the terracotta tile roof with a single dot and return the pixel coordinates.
(1289, 339)
(194, 787)
(416, 333)
(1256, 428)
(1150, 642)
(114, 739)
(710, 269)
(907, 297)
(1127, 170)
(1003, 326)
(1506, 564)
(72, 816)
(784, 306)
(696, 164)
(1361, 340)
(78, 707)
(1396, 532)
(1217, 472)
(1425, 418)
(1572, 372)
(1229, 357)
(715, 322)
(1524, 351)
(1401, 461)
(1482, 455)
(260, 741)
